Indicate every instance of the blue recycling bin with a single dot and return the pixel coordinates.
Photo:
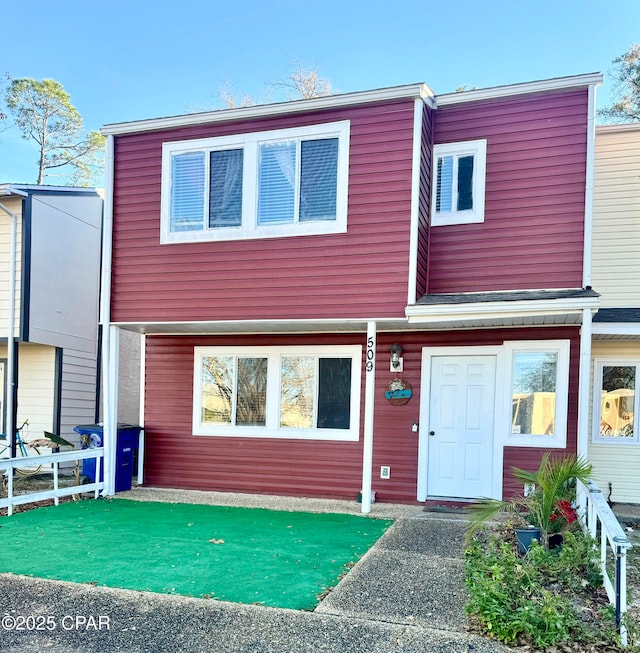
(126, 444)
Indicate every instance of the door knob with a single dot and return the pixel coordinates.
(432, 432)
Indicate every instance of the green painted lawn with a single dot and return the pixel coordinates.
(244, 555)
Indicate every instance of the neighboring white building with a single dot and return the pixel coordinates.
(55, 334)
(614, 448)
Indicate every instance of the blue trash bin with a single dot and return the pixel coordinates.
(126, 445)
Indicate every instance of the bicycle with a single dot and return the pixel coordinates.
(23, 449)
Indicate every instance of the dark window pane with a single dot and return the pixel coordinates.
(465, 183)
(318, 179)
(252, 392)
(334, 393)
(225, 190)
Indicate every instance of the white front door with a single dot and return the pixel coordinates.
(461, 416)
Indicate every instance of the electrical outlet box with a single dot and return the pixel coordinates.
(385, 471)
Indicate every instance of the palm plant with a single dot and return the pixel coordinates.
(553, 481)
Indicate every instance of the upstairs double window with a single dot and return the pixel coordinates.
(458, 183)
(264, 184)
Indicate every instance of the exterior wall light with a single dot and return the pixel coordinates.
(396, 360)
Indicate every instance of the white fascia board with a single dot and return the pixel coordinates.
(25, 189)
(412, 91)
(556, 84)
(417, 313)
(6, 190)
(615, 329)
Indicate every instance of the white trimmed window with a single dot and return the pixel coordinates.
(615, 401)
(286, 182)
(277, 392)
(538, 392)
(458, 183)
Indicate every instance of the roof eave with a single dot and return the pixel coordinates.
(495, 92)
(412, 91)
(424, 314)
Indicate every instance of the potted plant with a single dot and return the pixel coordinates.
(548, 506)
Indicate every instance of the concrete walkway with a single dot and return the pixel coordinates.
(404, 596)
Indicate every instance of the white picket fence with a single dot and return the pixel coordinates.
(50, 464)
(598, 519)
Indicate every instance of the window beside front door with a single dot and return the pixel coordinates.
(538, 392)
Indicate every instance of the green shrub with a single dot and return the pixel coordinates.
(539, 599)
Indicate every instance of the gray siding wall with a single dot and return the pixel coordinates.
(65, 270)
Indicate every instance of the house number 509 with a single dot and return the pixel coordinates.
(371, 354)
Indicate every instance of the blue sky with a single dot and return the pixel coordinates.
(132, 59)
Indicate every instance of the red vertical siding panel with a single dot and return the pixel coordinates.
(424, 201)
(532, 235)
(361, 272)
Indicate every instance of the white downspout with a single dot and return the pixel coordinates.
(588, 195)
(143, 360)
(584, 384)
(369, 403)
(109, 407)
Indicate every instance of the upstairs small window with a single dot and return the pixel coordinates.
(458, 183)
(284, 182)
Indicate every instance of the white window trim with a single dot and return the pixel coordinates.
(479, 149)
(598, 365)
(249, 143)
(272, 428)
(559, 439)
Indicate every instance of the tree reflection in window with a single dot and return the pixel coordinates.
(533, 395)
(221, 375)
(618, 401)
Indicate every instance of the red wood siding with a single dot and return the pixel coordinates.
(175, 458)
(532, 236)
(362, 272)
(424, 202)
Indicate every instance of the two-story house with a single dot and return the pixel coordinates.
(379, 291)
(614, 448)
(49, 359)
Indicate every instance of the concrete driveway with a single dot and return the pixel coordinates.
(404, 596)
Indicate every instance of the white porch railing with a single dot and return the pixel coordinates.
(7, 466)
(598, 519)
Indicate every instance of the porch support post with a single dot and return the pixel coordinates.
(584, 384)
(369, 403)
(110, 417)
(110, 334)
